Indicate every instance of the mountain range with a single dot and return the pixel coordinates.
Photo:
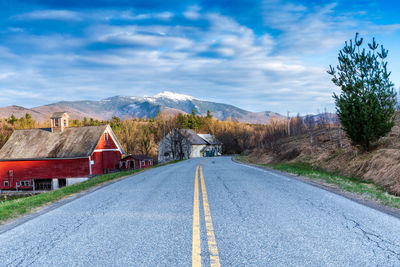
(168, 103)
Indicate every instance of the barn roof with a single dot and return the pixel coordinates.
(139, 157)
(74, 142)
(210, 139)
(192, 137)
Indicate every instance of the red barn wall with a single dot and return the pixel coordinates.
(106, 144)
(106, 156)
(43, 169)
(104, 161)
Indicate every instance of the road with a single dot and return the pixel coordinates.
(213, 212)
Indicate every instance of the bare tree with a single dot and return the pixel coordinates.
(339, 130)
(296, 124)
(175, 146)
(309, 121)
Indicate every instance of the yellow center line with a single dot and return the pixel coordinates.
(212, 244)
(196, 248)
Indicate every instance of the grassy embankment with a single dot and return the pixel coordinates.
(17, 207)
(355, 185)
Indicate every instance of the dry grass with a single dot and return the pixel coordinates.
(382, 165)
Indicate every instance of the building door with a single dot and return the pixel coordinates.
(62, 183)
(132, 164)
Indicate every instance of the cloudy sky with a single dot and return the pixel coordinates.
(258, 55)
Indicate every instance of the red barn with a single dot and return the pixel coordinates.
(57, 156)
(136, 162)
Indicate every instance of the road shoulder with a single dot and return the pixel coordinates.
(15, 222)
(331, 188)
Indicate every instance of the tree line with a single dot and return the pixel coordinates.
(141, 136)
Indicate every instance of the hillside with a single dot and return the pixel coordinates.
(141, 107)
(382, 165)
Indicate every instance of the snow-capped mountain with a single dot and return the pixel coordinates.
(145, 107)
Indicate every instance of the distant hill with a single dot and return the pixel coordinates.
(141, 107)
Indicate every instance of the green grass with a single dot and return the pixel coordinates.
(14, 208)
(350, 184)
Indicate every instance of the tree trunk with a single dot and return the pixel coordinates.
(340, 138)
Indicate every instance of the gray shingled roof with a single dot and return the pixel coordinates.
(210, 139)
(58, 114)
(73, 142)
(139, 157)
(193, 138)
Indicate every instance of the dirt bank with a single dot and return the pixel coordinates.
(381, 165)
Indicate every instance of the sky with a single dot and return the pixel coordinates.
(257, 55)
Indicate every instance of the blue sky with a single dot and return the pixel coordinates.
(258, 55)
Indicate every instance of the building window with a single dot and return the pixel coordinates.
(106, 136)
(65, 123)
(6, 184)
(56, 123)
(143, 163)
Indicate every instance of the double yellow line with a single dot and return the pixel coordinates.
(196, 245)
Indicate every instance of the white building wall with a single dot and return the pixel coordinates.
(71, 181)
(196, 151)
(54, 184)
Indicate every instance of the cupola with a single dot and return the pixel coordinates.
(59, 121)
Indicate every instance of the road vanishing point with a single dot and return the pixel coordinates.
(205, 212)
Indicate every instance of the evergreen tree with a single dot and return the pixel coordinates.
(12, 119)
(366, 104)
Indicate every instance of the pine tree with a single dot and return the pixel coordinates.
(366, 104)
(12, 119)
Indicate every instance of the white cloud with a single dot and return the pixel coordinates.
(171, 60)
(225, 60)
(50, 15)
(6, 75)
(192, 13)
(164, 15)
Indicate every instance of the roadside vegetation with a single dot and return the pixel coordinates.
(365, 189)
(12, 209)
(362, 140)
(367, 102)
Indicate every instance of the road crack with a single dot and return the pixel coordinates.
(378, 241)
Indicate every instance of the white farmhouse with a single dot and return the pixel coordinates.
(185, 143)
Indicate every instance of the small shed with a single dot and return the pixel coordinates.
(136, 162)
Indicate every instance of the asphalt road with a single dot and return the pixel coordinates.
(244, 216)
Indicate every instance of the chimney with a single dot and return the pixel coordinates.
(58, 122)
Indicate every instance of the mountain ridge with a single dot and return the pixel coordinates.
(125, 107)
